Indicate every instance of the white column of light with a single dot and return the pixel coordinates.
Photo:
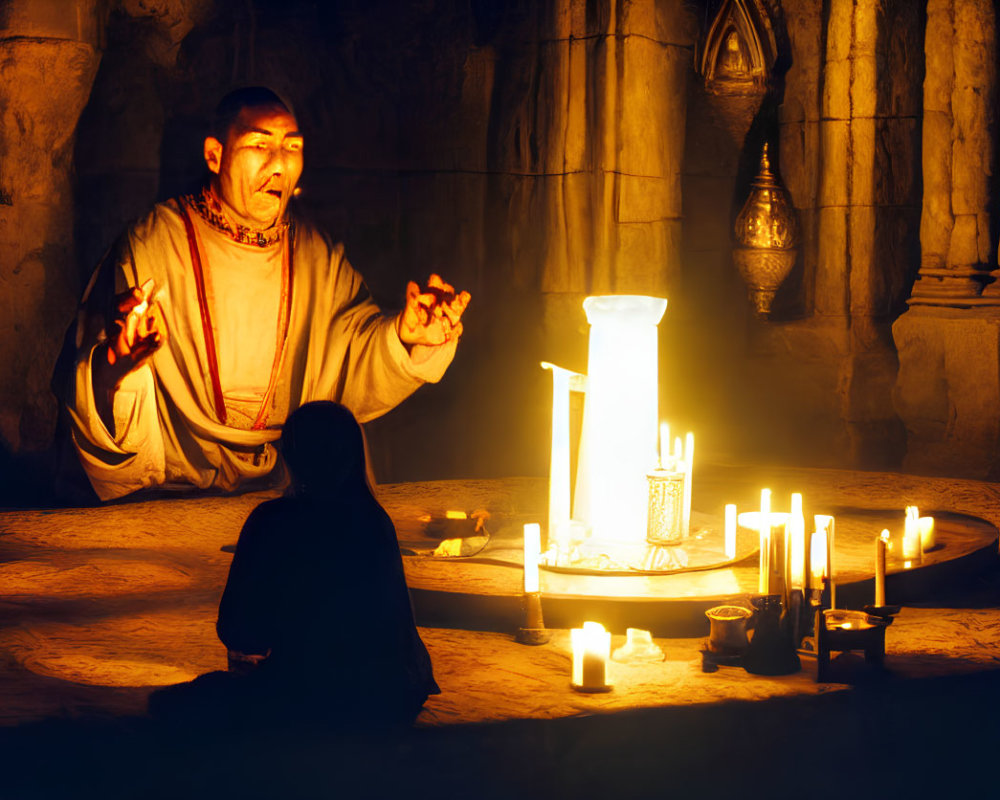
(620, 415)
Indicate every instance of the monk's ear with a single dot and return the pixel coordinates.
(213, 154)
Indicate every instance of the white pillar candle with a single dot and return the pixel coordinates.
(730, 541)
(928, 537)
(591, 646)
(688, 477)
(764, 579)
(880, 547)
(532, 551)
(797, 542)
(911, 534)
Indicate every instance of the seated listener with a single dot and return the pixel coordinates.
(317, 585)
(220, 313)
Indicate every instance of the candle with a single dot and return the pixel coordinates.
(591, 646)
(764, 579)
(825, 523)
(928, 538)
(559, 456)
(817, 556)
(532, 551)
(797, 541)
(911, 534)
(730, 531)
(880, 546)
(688, 474)
(664, 444)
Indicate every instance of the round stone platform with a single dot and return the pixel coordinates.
(467, 593)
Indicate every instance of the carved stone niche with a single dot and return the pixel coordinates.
(736, 60)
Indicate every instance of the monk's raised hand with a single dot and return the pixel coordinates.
(139, 331)
(432, 316)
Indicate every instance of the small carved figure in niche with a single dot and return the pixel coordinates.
(733, 61)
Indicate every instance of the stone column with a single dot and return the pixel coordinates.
(948, 390)
(48, 58)
(958, 152)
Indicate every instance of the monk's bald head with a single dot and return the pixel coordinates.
(247, 98)
(255, 156)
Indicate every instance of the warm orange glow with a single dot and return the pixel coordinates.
(455, 515)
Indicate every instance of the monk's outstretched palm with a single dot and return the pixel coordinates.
(432, 316)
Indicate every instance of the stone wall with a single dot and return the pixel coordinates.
(48, 56)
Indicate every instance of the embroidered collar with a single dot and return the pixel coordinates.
(210, 209)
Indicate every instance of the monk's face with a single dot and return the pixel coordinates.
(258, 165)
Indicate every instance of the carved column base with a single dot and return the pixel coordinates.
(950, 287)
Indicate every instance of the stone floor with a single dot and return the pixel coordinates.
(100, 606)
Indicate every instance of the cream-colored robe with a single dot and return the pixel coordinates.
(339, 347)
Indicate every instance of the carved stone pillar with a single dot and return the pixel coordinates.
(958, 153)
(47, 64)
(947, 390)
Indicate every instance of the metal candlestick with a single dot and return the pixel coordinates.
(533, 632)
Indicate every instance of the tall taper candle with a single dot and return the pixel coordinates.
(764, 581)
(880, 545)
(532, 551)
(730, 531)
(688, 477)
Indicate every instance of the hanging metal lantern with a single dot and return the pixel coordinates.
(766, 237)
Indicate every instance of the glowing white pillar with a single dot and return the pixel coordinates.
(620, 416)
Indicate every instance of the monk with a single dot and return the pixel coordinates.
(221, 312)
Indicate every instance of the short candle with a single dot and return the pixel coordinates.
(730, 542)
(911, 534)
(928, 538)
(591, 649)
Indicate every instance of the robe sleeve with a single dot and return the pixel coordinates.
(365, 366)
(132, 458)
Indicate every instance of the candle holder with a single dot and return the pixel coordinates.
(771, 650)
(533, 632)
(727, 637)
(841, 630)
(665, 522)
